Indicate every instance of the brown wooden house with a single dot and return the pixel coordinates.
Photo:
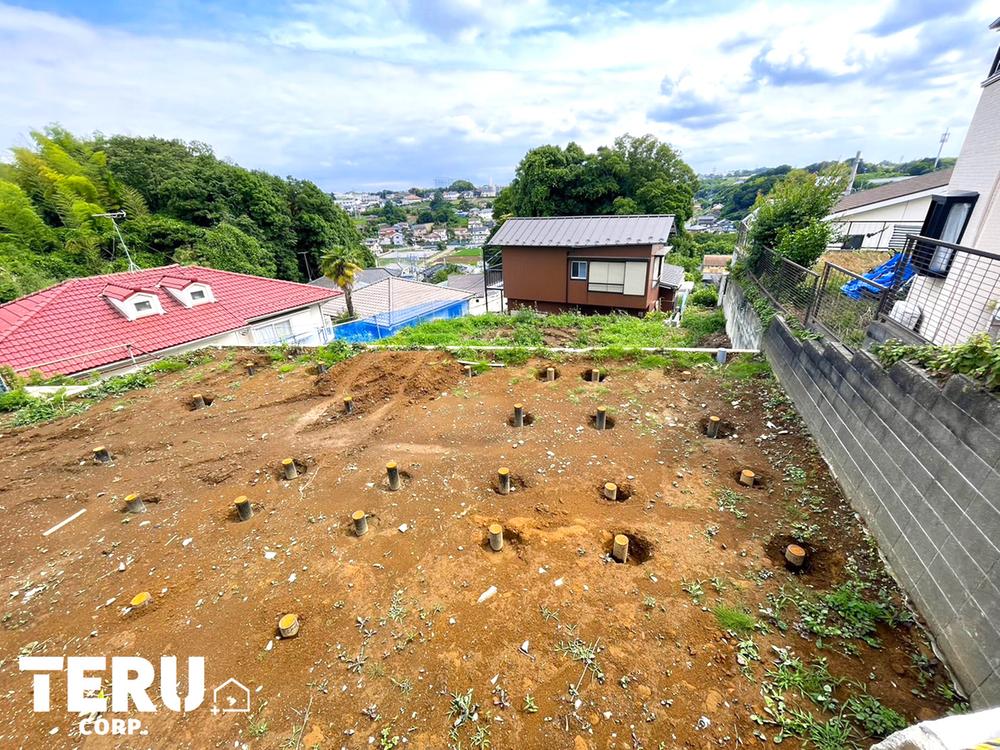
(588, 263)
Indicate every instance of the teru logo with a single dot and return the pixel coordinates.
(131, 677)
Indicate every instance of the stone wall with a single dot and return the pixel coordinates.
(921, 464)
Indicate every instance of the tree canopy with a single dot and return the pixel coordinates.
(461, 186)
(789, 219)
(182, 204)
(634, 175)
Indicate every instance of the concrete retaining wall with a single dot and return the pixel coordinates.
(743, 326)
(921, 464)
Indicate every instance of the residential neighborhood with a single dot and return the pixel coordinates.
(523, 375)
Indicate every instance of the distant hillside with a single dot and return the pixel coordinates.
(737, 191)
(182, 204)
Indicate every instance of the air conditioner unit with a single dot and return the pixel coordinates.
(906, 313)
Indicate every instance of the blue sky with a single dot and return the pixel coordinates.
(371, 93)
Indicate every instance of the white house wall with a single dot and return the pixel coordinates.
(305, 324)
(872, 220)
(978, 169)
(966, 301)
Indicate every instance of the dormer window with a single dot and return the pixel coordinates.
(132, 303)
(187, 291)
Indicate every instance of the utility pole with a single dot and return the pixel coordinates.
(944, 139)
(132, 267)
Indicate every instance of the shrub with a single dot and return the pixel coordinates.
(120, 384)
(39, 410)
(978, 358)
(704, 297)
(13, 400)
(334, 352)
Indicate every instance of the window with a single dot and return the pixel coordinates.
(143, 306)
(578, 269)
(946, 220)
(995, 69)
(658, 270)
(618, 277)
(607, 277)
(273, 333)
(198, 294)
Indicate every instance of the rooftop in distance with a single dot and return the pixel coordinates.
(582, 231)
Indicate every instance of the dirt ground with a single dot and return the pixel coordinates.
(391, 622)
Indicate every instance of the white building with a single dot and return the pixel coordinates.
(880, 218)
(956, 293)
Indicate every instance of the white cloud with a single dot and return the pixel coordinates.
(382, 92)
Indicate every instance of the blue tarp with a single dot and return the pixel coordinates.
(884, 274)
(383, 325)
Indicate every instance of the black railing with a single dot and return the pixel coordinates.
(936, 292)
(928, 292)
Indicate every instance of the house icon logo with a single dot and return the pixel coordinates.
(232, 696)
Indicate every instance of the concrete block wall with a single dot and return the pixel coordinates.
(743, 325)
(921, 464)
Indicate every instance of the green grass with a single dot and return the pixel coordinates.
(41, 410)
(468, 252)
(746, 368)
(527, 329)
(119, 384)
(180, 362)
(14, 400)
(736, 620)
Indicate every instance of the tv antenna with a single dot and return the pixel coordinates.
(132, 267)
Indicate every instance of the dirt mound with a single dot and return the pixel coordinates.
(384, 376)
(434, 375)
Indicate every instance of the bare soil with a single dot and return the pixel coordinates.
(390, 624)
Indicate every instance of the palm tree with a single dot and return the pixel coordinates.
(341, 265)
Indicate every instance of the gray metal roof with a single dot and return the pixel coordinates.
(671, 276)
(893, 190)
(391, 295)
(363, 278)
(467, 282)
(584, 231)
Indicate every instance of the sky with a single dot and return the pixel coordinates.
(365, 94)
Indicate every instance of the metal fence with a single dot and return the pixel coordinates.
(843, 317)
(929, 292)
(790, 287)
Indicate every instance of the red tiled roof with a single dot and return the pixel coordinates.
(177, 282)
(74, 323)
(122, 293)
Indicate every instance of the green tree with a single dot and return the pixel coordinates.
(461, 186)
(634, 175)
(341, 264)
(228, 248)
(391, 213)
(788, 219)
